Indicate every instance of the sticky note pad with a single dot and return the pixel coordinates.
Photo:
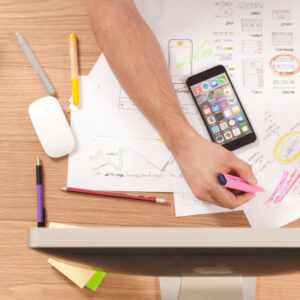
(81, 275)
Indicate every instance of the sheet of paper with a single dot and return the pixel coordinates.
(280, 204)
(186, 204)
(153, 151)
(110, 100)
(111, 162)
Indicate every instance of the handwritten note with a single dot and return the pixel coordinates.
(280, 178)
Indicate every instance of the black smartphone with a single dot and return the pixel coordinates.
(220, 108)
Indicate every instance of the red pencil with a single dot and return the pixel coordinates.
(117, 195)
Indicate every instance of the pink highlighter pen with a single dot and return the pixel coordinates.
(237, 183)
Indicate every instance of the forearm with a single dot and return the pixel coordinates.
(138, 62)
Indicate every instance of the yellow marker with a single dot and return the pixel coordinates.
(74, 68)
(180, 43)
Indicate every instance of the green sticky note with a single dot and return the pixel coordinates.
(96, 279)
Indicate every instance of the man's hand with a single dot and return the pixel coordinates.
(201, 161)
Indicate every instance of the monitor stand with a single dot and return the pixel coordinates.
(207, 288)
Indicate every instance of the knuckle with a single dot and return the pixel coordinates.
(209, 187)
(248, 167)
(232, 206)
(198, 194)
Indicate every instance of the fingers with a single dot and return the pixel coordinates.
(220, 196)
(223, 197)
(244, 170)
(243, 198)
(232, 201)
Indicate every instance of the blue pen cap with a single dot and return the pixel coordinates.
(221, 178)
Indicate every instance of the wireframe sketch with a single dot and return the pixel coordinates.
(180, 59)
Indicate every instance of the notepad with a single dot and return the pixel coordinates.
(81, 275)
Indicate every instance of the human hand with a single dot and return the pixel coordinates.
(201, 161)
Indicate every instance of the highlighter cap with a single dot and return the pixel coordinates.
(222, 179)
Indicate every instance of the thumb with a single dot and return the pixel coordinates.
(244, 170)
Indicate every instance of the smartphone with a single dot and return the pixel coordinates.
(220, 108)
(180, 59)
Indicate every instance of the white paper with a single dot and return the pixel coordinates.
(277, 122)
(186, 204)
(109, 162)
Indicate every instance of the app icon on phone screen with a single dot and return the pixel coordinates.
(211, 120)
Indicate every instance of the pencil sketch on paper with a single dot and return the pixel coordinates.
(105, 155)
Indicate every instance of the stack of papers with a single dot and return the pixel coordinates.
(117, 149)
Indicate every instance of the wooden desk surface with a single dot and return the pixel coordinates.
(25, 274)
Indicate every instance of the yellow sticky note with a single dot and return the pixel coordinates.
(78, 273)
(61, 225)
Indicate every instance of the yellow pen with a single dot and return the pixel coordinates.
(74, 68)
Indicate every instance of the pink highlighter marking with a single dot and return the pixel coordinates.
(286, 191)
(287, 184)
(278, 187)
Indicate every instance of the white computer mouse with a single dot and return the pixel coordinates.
(51, 126)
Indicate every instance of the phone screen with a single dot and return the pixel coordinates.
(221, 110)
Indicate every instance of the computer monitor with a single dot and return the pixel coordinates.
(175, 251)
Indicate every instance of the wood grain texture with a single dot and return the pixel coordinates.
(25, 274)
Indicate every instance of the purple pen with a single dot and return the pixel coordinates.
(39, 194)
